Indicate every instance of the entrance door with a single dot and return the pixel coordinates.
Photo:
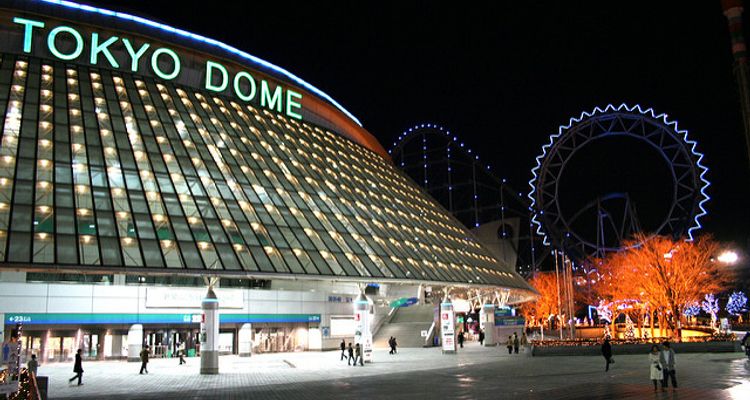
(226, 342)
(54, 349)
(68, 349)
(273, 340)
(90, 345)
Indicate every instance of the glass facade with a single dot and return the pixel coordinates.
(103, 169)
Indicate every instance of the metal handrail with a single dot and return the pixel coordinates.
(34, 387)
(430, 334)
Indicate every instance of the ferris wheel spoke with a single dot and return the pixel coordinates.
(687, 174)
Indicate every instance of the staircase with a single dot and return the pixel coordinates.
(406, 326)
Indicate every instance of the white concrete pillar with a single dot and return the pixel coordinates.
(210, 334)
(135, 342)
(245, 339)
(447, 326)
(362, 334)
(487, 323)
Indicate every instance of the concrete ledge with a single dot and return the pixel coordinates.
(595, 350)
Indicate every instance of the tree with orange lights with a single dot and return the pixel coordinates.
(664, 274)
(546, 304)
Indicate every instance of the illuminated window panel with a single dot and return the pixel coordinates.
(19, 244)
(206, 183)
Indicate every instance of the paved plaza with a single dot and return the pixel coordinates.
(473, 373)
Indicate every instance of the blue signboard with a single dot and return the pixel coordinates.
(404, 302)
(503, 312)
(510, 321)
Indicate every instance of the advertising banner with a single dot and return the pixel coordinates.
(447, 327)
(362, 334)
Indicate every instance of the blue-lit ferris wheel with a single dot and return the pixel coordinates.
(688, 181)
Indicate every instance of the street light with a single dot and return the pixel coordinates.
(728, 257)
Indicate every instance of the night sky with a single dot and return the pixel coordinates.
(504, 75)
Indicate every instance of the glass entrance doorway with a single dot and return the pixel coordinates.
(91, 346)
(61, 348)
(273, 339)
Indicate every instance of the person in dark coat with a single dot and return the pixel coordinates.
(181, 353)
(78, 369)
(481, 337)
(32, 365)
(350, 349)
(666, 359)
(607, 353)
(343, 349)
(144, 360)
(516, 343)
(461, 339)
(358, 355)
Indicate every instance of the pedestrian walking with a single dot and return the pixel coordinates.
(144, 360)
(746, 342)
(655, 367)
(481, 337)
(509, 344)
(607, 353)
(395, 345)
(358, 355)
(524, 342)
(461, 339)
(32, 365)
(78, 369)
(516, 342)
(343, 349)
(181, 353)
(390, 344)
(351, 355)
(668, 363)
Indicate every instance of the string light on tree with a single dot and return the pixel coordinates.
(629, 329)
(604, 310)
(711, 307)
(693, 309)
(737, 303)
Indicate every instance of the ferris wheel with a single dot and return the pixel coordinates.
(559, 227)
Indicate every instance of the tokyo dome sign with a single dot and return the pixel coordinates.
(67, 43)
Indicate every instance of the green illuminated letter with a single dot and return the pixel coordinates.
(155, 63)
(29, 25)
(266, 100)
(97, 48)
(53, 48)
(291, 102)
(135, 55)
(210, 65)
(237, 89)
